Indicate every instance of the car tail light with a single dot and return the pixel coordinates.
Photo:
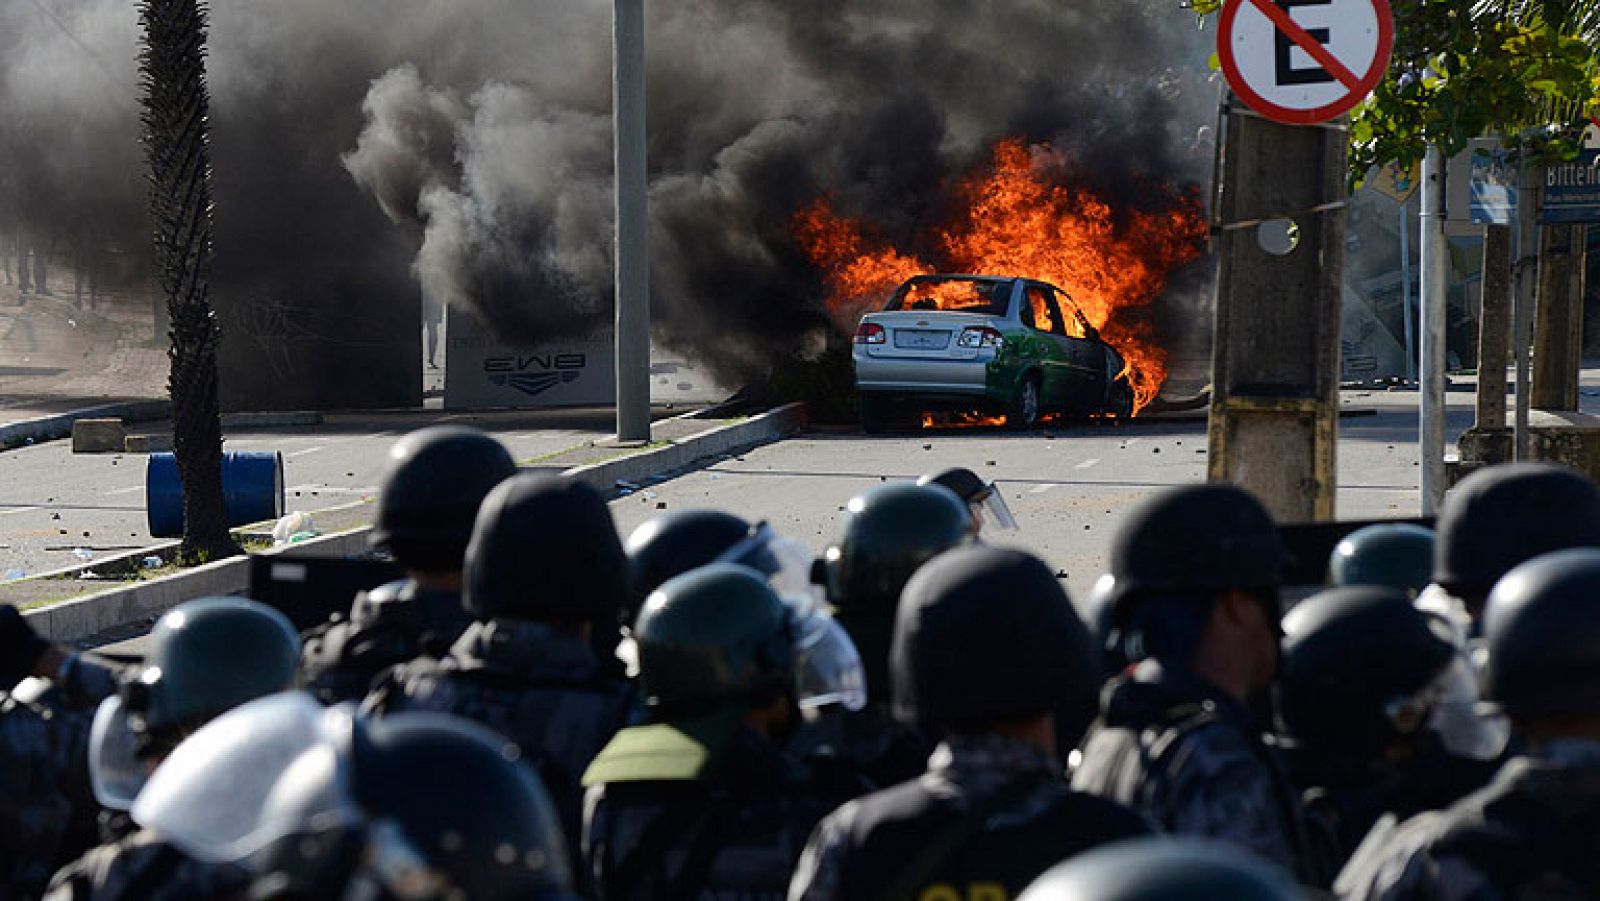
(871, 333)
(979, 336)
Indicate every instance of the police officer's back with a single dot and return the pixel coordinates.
(47, 812)
(1534, 832)
(888, 533)
(1380, 710)
(1196, 573)
(702, 801)
(987, 648)
(435, 480)
(206, 656)
(544, 566)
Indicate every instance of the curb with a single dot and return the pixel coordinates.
(72, 620)
(92, 614)
(51, 428)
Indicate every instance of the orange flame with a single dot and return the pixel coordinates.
(1026, 216)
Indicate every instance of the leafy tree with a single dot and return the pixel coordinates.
(176, 104)
(1528, 70)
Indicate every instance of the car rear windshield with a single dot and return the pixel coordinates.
(956, 295)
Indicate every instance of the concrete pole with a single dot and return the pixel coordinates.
(1494, 322)
(1274, 418)
(1405, 290)
(1558, 322)
(1431, 241)
(632, 214)
(1525, 274)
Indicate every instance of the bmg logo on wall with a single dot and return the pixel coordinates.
(534, 374)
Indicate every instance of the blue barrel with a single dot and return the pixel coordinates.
(252, 490)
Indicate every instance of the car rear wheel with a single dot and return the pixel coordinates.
(875, 412)
(1024, 411)
(1119, 400)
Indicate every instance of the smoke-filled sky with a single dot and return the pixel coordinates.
(466, 144)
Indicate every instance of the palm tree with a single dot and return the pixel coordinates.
(176, 103)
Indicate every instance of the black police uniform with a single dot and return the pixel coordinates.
(389, 625)
(988, 816)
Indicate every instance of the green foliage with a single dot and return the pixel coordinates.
(1462, 69)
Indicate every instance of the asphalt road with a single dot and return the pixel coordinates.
(53, 502)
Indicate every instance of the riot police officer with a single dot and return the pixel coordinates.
(435, 481)
(674, 543)
(1163, 869)
(987, 649)
(702, 801)
(1497, 518)
(889, 532)
(1196, 572)
(1380, 706)
(983, 499)
(1398, 555)
(47, 699)
(1534, 832)
(317, 803)
(206, 656)
(544, 566)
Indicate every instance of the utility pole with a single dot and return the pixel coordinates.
(1431, 414)
(1558, 330)
(1275, 370)
(1525, 272)
(632, 223)
(1494, 321)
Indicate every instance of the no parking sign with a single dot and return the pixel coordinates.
(1304, 61)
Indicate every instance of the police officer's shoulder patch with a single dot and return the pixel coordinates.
(664, 752)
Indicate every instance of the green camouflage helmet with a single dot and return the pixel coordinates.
(208, 656)
(889, 532)
(713, 637)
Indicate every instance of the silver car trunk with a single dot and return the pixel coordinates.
(925, 334)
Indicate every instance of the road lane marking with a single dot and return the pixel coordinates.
(1087, 463)
(19, 510)
(128, 490)
(307, 450)
(1041, 489)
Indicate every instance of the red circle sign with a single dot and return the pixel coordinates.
(1304, 61)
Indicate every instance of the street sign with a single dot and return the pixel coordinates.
(1304, 61)
(1495, 177)
(1572, 191)
(1396, 183)
(1591, 134)
(481, 370)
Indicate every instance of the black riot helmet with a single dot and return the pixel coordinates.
(445, 800)
(1542, 629)
(1021, 648)
(1399, 555)
(889, 532)
(1100, 615)
(714, 637)
(1164, 868)
(545, 549)
(435, 480)
(318, 803)
(1355, 665)
(674, 543)
(1501, 516)
(1195, 540)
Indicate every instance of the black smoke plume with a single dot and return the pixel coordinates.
(369, 148)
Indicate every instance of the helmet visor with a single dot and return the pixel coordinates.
(1458, 719)
(785, 562)
(994, 512)
(115, 770)
(827, 666)
(210, 796)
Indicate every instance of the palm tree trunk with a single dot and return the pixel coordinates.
(176, 103)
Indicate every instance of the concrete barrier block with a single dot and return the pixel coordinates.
(98, 436)
(148, 444)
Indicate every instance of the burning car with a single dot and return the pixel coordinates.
(1018, 345)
